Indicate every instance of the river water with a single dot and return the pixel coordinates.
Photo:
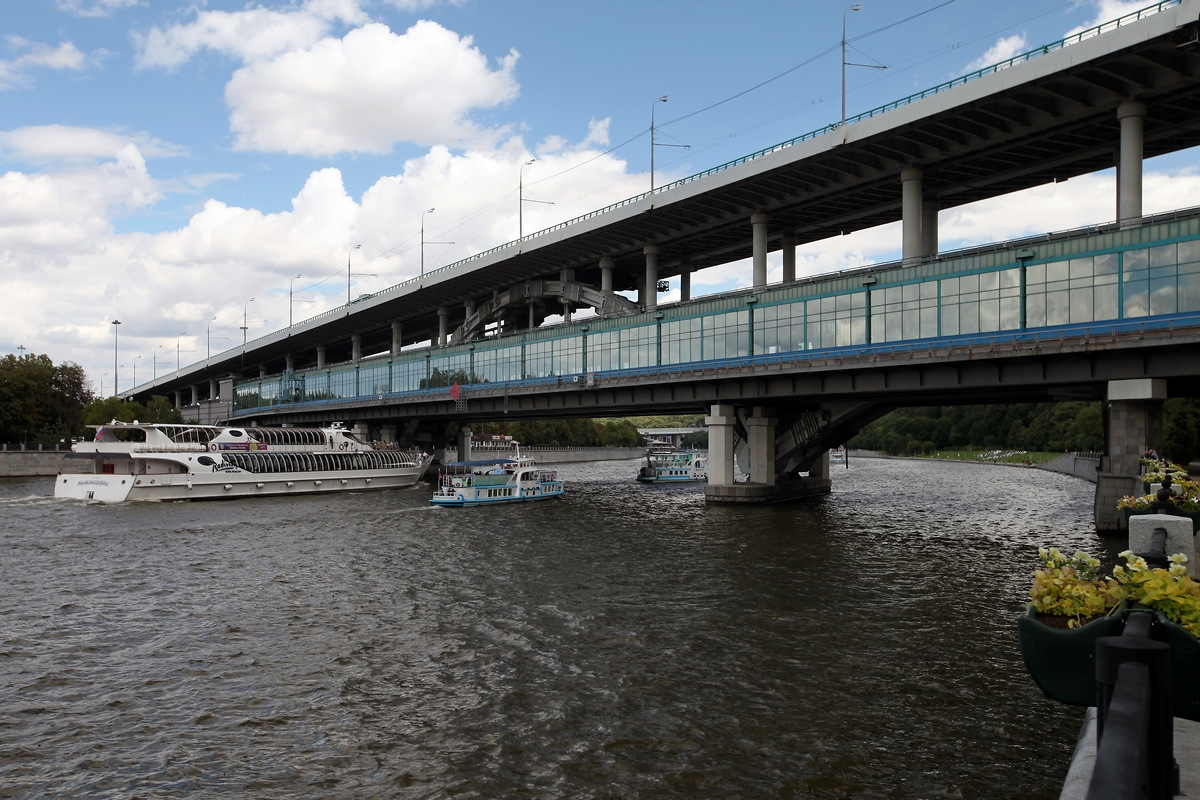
(624, 641)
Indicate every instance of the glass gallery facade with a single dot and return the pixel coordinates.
(1071, 280)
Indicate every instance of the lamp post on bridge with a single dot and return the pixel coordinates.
(352, 249)
(115, 323)
(423, 242)
(292, 282)
(245, 322)
(855, 7)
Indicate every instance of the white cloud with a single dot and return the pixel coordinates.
(14, 73)
(1109, 10)
(1002, 50)
(54, 143)
(95, 8)
(249, 35)
(367, 91)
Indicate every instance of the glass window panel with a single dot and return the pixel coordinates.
(1081, 305)
(1162, 296)
(1106, 264)
(1058, 308)
(1134, 259)
(1058, 271)
(1010, 313)
(1189, 252)
(1189, 292)
(1163, 255)
(1081, 267)
(1104, 301)
(1035, 274)
(1035, 311)
(1137, 299)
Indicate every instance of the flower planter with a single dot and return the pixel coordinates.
(1185, 666)
(1062, 662)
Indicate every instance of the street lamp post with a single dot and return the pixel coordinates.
(653, 106)
(855, 7)
(115, 323)
(352, 249)
(423, 213)
(291, 282)
(245, 322)
(423, 242)
(208, 340)
(521, 199)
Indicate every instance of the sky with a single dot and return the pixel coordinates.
(193, 168)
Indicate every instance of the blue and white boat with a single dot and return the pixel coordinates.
(496, 480)
(684, 466)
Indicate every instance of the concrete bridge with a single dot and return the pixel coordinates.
(786, 370)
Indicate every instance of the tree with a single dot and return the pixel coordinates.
(40, 402)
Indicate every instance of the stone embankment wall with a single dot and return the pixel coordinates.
(1081, 466)
(27, 463)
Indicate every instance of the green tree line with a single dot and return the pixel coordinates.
(1046, 427)
(44, 403)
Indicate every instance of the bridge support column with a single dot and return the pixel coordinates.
(760, 428)
(685, 281)
(356, 348)
(759, 224)
(720, 445)
(910, 210)
(1132, 115)
(289, 362)
(320, 356)
(566, 277)
(1134, 425)
(606, 272)
(443, 325)
(214, 392)
(650, 295)
(387, 433)
(396, 338)
(788, 243)
(176, 394)
(463, 443)
(929, 227)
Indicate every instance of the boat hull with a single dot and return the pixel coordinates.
(109, 488)
(471, 500)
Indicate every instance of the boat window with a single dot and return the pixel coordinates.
(234, 432)
(205, 461)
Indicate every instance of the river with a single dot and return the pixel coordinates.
(624, 641)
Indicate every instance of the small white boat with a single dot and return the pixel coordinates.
(686, 466)
(497, 480)
(837, 455)
(151, 461)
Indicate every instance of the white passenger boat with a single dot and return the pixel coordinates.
(685, 466)
(837, 455)
(497, 480)
(149, 461)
